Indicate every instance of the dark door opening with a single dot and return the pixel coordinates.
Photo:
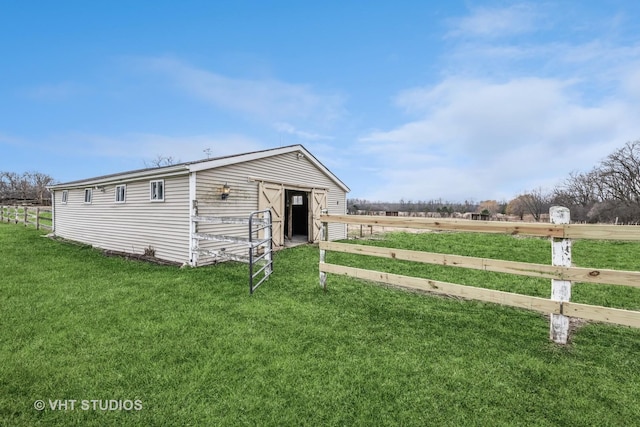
(296, 219)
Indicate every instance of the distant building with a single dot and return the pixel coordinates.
(480, 217)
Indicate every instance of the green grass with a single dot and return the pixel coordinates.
(585, 253)
(9, 215)
(196, 349)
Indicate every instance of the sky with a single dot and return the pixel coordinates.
(403, 100)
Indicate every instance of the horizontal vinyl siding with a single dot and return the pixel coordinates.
(288, 168)
(243, 199)
(132, 226)
(337, 205)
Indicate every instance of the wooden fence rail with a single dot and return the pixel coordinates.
(562, 231)
(561, 273)
(27, 215)
(574, 274)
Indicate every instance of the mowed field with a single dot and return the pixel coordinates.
(192, 347)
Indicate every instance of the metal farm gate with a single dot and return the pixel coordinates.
(258, 244)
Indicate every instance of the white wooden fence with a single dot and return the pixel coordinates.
(37, 216)
(561, 273)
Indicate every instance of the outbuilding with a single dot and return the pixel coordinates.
(156, 210)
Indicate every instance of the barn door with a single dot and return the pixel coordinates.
(271, 196)
(318, 204)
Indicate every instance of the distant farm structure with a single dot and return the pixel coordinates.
(456, 215)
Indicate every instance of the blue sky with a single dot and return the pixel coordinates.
(412, 100)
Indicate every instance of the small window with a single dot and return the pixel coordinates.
(65, 196)
(297, 200)
(157, 191)
(121, 193)
(88, 193)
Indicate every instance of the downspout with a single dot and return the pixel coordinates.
(193, 225)
(53, 212)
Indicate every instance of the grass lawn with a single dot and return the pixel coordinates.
(9, 215)
(195, 349)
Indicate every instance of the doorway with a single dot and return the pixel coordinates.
(296, 219)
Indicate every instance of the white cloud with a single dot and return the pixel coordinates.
(511, 112)
(460, 112)
(596, 52)
(145, 147)
(630, 81)
(495, 22)
(291, 130)
(266, 99)
(474, 137)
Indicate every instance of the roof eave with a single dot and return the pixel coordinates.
(187, 167)
(216, 163)
(125, 177)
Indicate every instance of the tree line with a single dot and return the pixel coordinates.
(445, 208)
(27, 187)
(609, 192)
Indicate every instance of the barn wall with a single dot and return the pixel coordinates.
(286, 168)
(132, 226)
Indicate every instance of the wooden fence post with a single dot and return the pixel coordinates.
(1, 213)
(37, 218)
(26, 216)
(324, 236)
(560, 289)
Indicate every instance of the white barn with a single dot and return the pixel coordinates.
(153, 209)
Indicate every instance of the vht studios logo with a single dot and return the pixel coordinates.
(88, 405)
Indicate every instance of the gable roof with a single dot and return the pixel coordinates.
(198, 165)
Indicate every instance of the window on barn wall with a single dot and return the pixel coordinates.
(157, 190)
(65, 196)
(121, 192)
(88, 194)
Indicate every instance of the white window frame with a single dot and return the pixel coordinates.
(88, 191)
(124, 193)
(151, 192)
(297, 200)
(65, 197)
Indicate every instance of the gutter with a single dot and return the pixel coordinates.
(123, 178)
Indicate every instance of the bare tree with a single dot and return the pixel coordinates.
(584, 189)
(620, 175)
(10, 185)
(517, 207)
(535, 202)
(26, 187)
(40, 181)
(160, 161)
(580, 192)
(610, 191)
